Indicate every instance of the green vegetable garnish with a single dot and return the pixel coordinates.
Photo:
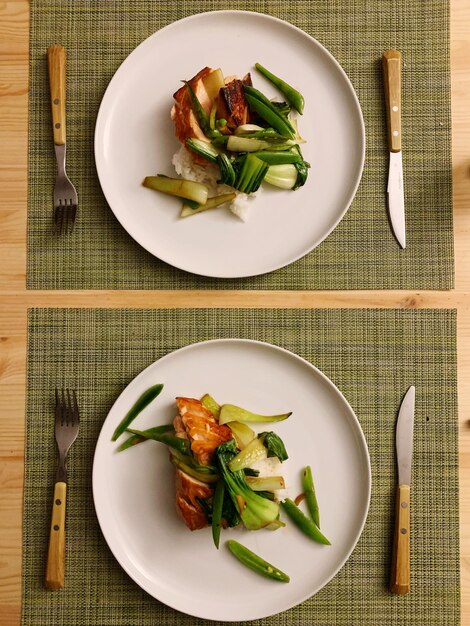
(186, 462)
(251, 174)
(265, 109)
(275, 445)
(133, 440)
(278, 157)
(227, 173)
(255, 511)
(253, 452)
(266, 483)
(217, 511)
(255, 562)
(306, 525)
(211, 405)
(292, 95)
(212, 203)
(283, 176)
(202, 117)
(243, 434)
(203, 148)
(231, 413)
(144, 400)
(178, 443)
(310, 496)
(187, 189)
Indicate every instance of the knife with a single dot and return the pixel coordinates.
(400, 579)
(391, 61)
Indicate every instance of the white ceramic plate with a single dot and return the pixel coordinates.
(135, 137)
(134, 490)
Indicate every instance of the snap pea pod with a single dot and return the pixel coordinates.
(305, 524)
(133, 440)
(259, 103)
(255, 562)
(145, 399)
(310, 495)
(292, 95)
(217, 507)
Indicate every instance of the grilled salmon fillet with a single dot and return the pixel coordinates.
(188, 490)
(196, 423)
(202, 429)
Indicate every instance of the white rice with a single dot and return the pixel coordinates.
(186, 168)
(271, 466)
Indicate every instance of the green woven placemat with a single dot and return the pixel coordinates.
(360, 254)
(372, 355)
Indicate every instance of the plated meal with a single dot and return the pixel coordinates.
(136, 138)
(176, 475)
(233, 139)
(227, 475)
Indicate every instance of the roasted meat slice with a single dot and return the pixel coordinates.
(188, 491)
(232, 101)
(201, 427)
(186, 124)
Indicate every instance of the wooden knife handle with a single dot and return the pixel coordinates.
(56, 58)
(391, 62)
(400, 580)
(55, 570)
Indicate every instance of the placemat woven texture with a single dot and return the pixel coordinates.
(372, 355)
(360, 254)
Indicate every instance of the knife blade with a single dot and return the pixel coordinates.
(400, 578)
(391, 62)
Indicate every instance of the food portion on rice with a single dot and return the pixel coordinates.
(233, 140)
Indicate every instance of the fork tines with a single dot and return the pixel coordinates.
(66, 407)
(64, 216)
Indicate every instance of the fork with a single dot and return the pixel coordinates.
(65, 195)
(66, 423)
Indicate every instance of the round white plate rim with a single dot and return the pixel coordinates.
(99, 142)
(116, 548)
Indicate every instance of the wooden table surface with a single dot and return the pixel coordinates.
(14, 299)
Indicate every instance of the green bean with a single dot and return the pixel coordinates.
(163, 436)
(134, 439)
(292, 95)
(255, 562)
(305, 524)
(217, 511)
(145, 399)
(310, 495)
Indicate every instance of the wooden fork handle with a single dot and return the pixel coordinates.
(400, 580)
(56, 58)
(55, 570)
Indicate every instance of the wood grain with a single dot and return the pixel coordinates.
(391, 62)
(14, 299)
(400, 577)
(55, 568)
